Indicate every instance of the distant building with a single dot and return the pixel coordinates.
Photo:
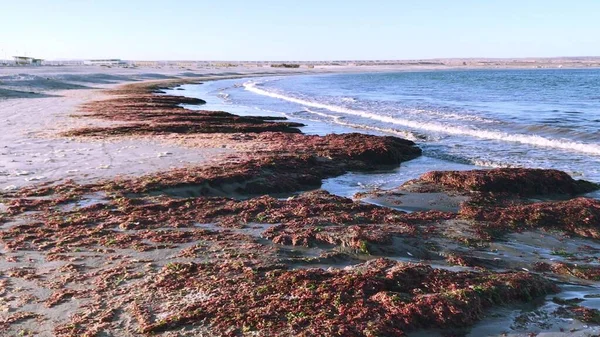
(63, 63)
(26, 61)
(104, 62)
(145, 63)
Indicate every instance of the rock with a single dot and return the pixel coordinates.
(520, 181)
(580, 216)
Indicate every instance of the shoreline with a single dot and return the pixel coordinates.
(43, 133)
(234, 246)
(16, 173)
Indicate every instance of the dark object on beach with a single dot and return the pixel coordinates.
(285, 65)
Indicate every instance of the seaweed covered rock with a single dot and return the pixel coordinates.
(361, 151)
(369, 149)
(307, 160)
(586, 272)
(380, 297)
(149, 113)
(519, 181)
(186, 127)
(580, 216)
(580, 313)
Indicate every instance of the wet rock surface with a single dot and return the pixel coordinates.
(218, 250)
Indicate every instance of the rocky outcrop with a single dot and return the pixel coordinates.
(580, 216)
(519, 181)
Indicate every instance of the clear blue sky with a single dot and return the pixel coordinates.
(298, 30)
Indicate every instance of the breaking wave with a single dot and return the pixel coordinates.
(535, 140)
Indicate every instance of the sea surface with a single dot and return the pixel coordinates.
(539, 118)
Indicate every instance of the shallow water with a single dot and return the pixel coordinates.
(461, 119)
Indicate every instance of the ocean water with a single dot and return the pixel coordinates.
(537, 118)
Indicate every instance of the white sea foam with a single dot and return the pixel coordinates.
(436, 127)
(453, 116)
(492, 164)
(336, 119)
(224, 96)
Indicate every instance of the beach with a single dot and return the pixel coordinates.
(37, 110)
(37, 103)
(133, 205)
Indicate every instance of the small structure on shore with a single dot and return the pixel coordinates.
(24, 60)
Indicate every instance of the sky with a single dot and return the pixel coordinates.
(298, 30)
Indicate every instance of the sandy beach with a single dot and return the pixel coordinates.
(34, 110)
(125, 214)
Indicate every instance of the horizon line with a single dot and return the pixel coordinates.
(329, 60)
